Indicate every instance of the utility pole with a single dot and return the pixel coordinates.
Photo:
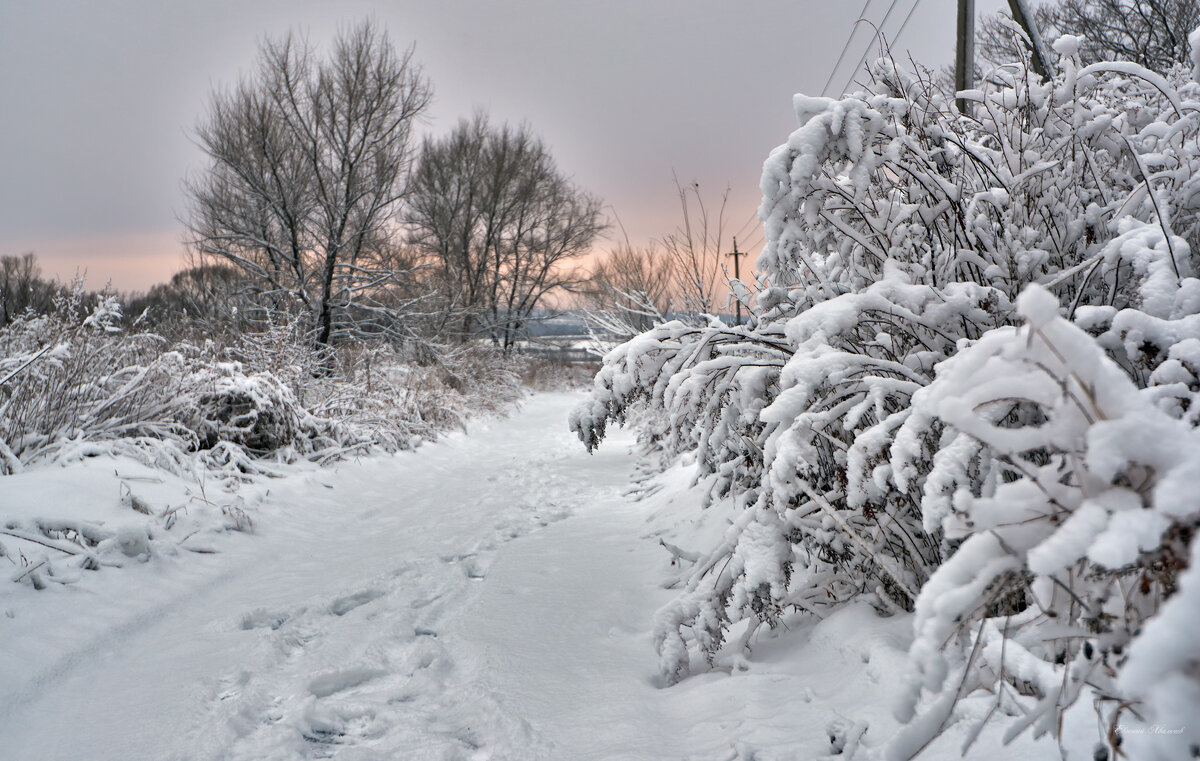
(1038, 56)
(964, 52)
(737, 275)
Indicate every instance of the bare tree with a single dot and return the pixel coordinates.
(1152, 33)
(500, 223)
(631, 289)
(308, 161)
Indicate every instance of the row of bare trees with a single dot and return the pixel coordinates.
(318, 197)
(682, 274)
(318, 203)
(22, 287)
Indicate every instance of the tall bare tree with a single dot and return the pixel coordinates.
(308, 161)
(696, 248)
(1152, 33)
(501, 224)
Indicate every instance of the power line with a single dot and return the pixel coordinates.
(900, 31)
(870, 43)
(878, 33)
(749, 221)
(862, 14)
(755, 242)
(911, 11)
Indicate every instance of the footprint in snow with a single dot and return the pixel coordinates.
(325, 724)
(423, 602)
(338, 681)
(292, 641)
(230, 687)
(475, 570)
(261, 618)
(471, 565)
(343, 605)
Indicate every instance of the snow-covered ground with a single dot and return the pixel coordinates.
(487, 597)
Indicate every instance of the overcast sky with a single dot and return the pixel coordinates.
(99, 98)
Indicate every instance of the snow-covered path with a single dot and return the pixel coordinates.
(363, 620)
(490, 597)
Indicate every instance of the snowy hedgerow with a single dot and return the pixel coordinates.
(1073, 498)
(899, 236)
(73, 385)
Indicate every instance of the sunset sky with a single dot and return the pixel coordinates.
(99, 100)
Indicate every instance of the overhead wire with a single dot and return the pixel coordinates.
(904, 24)
(870, 44)
(758, 238)
(862, 14)
(749, 221)
(755, 242)
(878, 34)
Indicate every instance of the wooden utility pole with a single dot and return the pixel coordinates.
(964, 52)
(737, 275)
(1038, 56)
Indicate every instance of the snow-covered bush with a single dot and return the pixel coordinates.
(899, 236)
(417, 391)
(75, 389)
(256, 412)
(73, 384)
(1071, 496)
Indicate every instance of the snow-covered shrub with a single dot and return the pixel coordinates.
(256, 412)
(74, 387)
(900, 233)
(1071, 496)
(415, 392)
(487, 380)
(284, 348)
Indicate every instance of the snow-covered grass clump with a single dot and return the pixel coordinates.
(111, 511)
(968, 391)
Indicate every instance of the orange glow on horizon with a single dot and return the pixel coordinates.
(129, 261)
(135, 261)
